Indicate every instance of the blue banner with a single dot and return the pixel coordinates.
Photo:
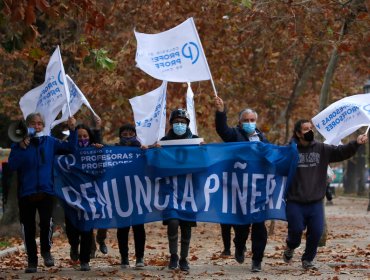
(234, 183)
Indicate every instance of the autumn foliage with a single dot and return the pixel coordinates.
(269, 55)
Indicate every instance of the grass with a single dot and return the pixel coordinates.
(4, 244)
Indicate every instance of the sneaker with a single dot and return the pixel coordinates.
(85, 267)
(48, 259)
(256, 266)
(125, 263)
(184, 265)
(173, 261)
(31, 268)
(103, 248)
(226, 253)
(288, 255)
(239, 255)
(139, 262)
(73, 253)
(307, 264)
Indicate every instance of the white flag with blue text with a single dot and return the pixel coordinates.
(49, 98)
(77, 98)
(343, 117)
(191, 110)
(175, 55)
(150, 115)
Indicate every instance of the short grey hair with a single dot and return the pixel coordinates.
(248, 110)
(31, 116)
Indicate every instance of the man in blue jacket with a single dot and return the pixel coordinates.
(245, 131)
(33, 159)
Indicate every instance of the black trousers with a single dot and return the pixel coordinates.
(101, 235)
(77, 237)
(259, 239)
(139, 239)
(43, 204)
(226, 235)
(172, 233)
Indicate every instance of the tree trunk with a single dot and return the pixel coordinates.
(349, 177)
(302, 77)
(11, 212)
(361, 170)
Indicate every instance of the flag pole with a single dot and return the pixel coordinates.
(66, 88)
(200, 44)
(367, 130)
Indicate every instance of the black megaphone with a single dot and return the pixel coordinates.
(18, 130)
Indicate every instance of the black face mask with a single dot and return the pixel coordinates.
(308, 136)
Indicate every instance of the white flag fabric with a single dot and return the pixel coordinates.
(49, 98)
(343, 117)
(150, 115)
(175, 55)
(191, 110)
(77, 98)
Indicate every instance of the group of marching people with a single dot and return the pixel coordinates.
(33, 158)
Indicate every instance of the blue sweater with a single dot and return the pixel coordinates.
(34, 164)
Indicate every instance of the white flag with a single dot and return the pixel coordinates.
(150, 115)
(49, 98)
(77, 98)
(191, 110)
(343, 117)
(175, 55)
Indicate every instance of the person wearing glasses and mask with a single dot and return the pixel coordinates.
(245, 131)
(33, 159)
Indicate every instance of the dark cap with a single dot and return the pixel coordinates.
(179, 113)
(126, 127)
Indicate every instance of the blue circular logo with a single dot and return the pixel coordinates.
(190, 50)
(366, 108)
(60, 78)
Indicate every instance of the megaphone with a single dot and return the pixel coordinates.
(18, 130)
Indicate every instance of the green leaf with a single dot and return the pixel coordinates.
(330, 31)
(247, 3)
(102, 60)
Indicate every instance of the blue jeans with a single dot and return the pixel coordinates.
(301, 216)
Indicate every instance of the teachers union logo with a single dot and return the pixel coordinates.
(366, 108)
(191, 51)
(66, 162)
(60, 78)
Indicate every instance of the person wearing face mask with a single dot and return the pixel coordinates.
(127, 135)
(179, 121)
(76, 237)
(304, 197)
(94, 136)
(33, 160)
(245, 131)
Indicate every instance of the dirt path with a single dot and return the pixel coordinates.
(346, 255)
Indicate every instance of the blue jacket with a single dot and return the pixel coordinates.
(34, 164)
(233, 134)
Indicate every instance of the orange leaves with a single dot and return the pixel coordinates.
(30, 16)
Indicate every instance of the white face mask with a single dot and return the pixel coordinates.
(39, 134)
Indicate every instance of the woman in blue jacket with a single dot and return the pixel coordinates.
(76, 237)
(33, 159)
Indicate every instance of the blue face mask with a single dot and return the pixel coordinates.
(249, 127)
(179, 128)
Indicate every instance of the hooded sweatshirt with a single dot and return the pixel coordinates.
(309, 182)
